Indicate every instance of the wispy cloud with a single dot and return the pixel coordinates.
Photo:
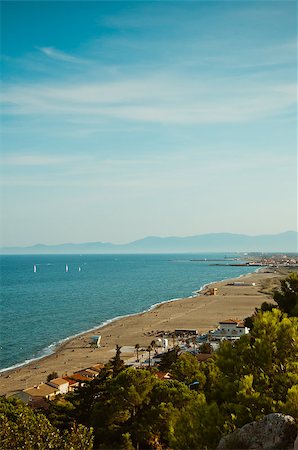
(160, 99)
(58, 55)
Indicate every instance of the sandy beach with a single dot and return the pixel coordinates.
(202, 312)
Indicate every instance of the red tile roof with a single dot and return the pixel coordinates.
(79, 377)
(70, 380)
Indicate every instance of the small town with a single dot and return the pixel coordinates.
(201, 346)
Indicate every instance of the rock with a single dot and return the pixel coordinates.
(275, 431)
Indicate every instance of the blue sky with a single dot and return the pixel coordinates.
(127, 119)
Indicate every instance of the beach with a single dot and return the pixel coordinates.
(201, 312)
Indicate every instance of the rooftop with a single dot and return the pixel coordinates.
(87, 373)
(97, 367)
(79, 377)
(41, 390)
(58, 381)
(70, 380)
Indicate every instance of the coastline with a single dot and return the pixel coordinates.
(52, 348)
(74, 353)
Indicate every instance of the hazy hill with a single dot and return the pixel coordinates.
(212, 242)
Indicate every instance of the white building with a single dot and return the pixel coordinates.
(60, 384)
(230, 329)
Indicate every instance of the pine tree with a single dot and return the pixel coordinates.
(117, 362)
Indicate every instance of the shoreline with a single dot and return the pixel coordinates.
(56, 346)
(200, 311)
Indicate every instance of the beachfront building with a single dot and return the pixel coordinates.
(72, 384)
(61, 384)
(96, 367)
(79, 378)
(32, 394)
(89, 373)
(230, 329)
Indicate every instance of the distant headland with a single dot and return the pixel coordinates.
(211, 242)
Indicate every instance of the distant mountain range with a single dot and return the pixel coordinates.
(212, 242)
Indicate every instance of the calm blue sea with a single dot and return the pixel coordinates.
(40, 309)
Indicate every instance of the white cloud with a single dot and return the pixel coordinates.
(53, 53)
(160, 99)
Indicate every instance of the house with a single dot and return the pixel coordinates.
(61, 384)
(81, 379)
(97, 367)
(72, 384)
(230, 329)
(89, 373)
(31, 394)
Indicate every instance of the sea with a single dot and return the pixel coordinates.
(47, 299)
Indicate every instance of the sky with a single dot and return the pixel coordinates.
(123, 119)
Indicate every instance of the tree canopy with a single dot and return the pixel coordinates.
(23, 428)
(287, 296)
(130, 408)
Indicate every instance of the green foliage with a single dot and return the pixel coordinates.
(265, 306)
(149, 350)
(116, 362)
(84, 398)
(78, 438)
(22, 428)
(169, 358)
(137, 410)
(131, 409)
(291, 405)
(126, 443)
(196, 425)
(137, 347)
(206, 347)
(61, 413)
(52, 376)
(157, 424)
(121, 403)
(187, 370)
(287, 297)
(257, 371)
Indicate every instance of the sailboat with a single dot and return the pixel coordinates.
(34, 268)
(79, 269)
(66, 268)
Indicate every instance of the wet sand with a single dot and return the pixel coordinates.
(202, 312)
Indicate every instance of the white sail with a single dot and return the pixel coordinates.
(34, 268)
(79, 269)
(66, 268)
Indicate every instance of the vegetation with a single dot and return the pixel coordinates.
(287, 297)
(137, 347)
(130, 408)
(206, 347)
(52, 376)
(117, 363)
(22, 428)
